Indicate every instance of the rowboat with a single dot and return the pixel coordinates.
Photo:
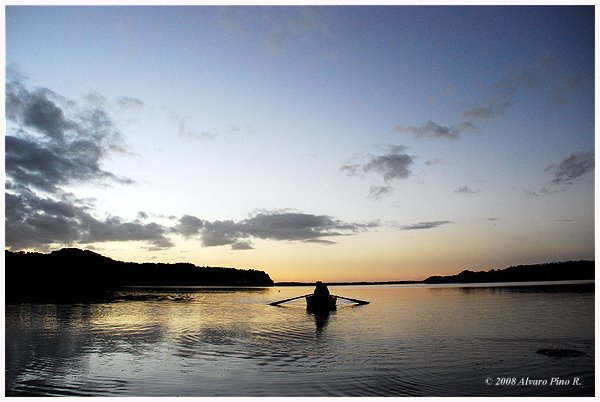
(314, 303)
(319, 303)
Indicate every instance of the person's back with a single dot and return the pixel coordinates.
(321, 290)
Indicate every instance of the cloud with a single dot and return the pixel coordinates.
(279, 226)
(503, 92)
(320, 241)
(242, 245)
(393, 165)
(55, 143)
(435, 161)
(378, 192)
(571, 168)
(130, 103)
(425, 225)
(351, 170)
(466, 190)
(189, 226)
(485, 112)
(33, 221)
(114, 228)
(566, 173)
(542, 76)
(220, 233)
(298, 226)
(430, 129)
(186, 131)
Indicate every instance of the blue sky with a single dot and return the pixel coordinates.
(344, 143)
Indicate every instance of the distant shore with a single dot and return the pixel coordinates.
(554, 271)
(77, 274)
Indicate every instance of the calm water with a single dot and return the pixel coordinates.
(411, 340)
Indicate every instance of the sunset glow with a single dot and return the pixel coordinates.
(333, 143)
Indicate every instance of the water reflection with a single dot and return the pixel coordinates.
(321, 318)
(520, 287)
(222, 342)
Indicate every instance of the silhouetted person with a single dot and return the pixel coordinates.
(321, 290)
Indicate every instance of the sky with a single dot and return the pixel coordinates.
(334, 143)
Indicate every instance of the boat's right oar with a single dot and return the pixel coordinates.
(353, 300)
(287, 300)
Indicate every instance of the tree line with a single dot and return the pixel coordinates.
(73, 271)
(553, 271)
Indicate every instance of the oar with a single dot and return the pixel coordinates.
(287, 300)
(353, 300)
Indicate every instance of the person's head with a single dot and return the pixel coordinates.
(319, 283)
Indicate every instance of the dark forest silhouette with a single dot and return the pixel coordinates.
(71, 272)
(553, 271)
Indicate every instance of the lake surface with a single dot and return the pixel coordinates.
(445, 340)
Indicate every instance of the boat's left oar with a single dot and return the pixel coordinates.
(287, 300)
(353, 300)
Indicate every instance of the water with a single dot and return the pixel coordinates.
(410, 341)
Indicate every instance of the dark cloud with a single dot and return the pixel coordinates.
(425, 225)
(393, 165)
(430, 129)
(221, 233)
(571, 168)
(39, 222)
(297, 226)
(466, 190)
(281, 226)
(116, 229)
(54, 143)
(189, 226)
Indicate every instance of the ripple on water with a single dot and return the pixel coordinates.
(234, 344)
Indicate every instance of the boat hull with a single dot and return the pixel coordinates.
(320, 304)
